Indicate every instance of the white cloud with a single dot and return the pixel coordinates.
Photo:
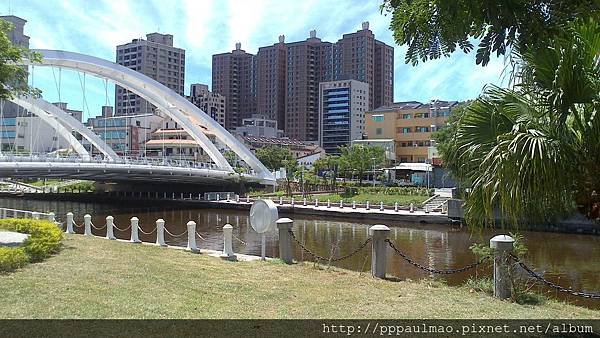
(208, 27)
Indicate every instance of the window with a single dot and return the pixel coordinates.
(378, 118)
(406, 116)
(405, 130)
(378, 131)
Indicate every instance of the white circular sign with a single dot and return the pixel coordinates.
(263, 215)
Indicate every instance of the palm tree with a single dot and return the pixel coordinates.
(532, 152)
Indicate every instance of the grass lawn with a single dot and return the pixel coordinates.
(375, 198)
(97, 278)
(40, 183)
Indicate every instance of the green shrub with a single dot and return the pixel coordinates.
(44, 240)
(12, 258)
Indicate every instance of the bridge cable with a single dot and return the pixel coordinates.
(55, 141)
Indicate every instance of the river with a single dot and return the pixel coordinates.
(567, 259)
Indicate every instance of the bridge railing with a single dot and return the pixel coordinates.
(16, 213)
(126, 160)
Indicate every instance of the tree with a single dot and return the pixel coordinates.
(13, 78)
(273, 157)
(435, 28)
(533, 151)
(292, 169)
(361, 159)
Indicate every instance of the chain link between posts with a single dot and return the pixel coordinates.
(239, 240)
(77, 225)
(358, 249)
(198, 234)
(432, 270)
(552, 285)
(172, 235)
(97, 228)
(116, 227)
(146, 233)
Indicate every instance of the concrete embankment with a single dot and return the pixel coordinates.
(346, 212)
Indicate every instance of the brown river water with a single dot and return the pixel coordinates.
(570, 260)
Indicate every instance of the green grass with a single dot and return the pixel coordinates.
(40, 183)
(97, 278)
(375, 198)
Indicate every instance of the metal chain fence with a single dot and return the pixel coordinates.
(359, 248)
(433, 270)
(146, 233)
(172, 235)
(97, 228)
(550, 284)
(116, 227)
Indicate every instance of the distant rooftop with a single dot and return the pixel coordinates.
(413, 105)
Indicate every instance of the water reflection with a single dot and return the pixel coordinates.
(570, 260)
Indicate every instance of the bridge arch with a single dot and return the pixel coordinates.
(172, 104)
(53, 115)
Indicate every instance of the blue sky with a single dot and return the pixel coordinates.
(205, 27)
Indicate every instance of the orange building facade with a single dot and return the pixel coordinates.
(411, 124)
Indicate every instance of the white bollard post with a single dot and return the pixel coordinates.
(218, 197)
(160, 232)
(368, 206)
(87, 222)
(280, 200)
(380, 206)
(228, 243)
(353, 204)
(412, 208)
(35, 215)
(292, 202)
(135, 223)
(110, 223)
(191, 230)
(191, 196)
(51, 217)
(304, 201)
(316, 202)
(328, 204)
(173, 195)
(426, 209)
(341, 204)
(181, 197)
(228, 197)
(379, 233)
(247, 198)
(70, 223)
(396, 206)
(503, 246)
(199, 198)
(237, 198)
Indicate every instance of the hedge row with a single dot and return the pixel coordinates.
(44, 240)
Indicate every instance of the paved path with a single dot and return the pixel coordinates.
(12, 239)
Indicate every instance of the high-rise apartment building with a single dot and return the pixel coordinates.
(361, 57)
(155, 57)
(307, 65)
(288, 75)
(212, 104)
(271, 65)
(342, 107)
(233, 75)
(411, 125)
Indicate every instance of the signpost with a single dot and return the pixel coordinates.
(263, 215)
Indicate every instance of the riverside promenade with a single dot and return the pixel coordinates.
(287, 206)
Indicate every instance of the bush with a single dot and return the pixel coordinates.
(44, 240)
(12, 259)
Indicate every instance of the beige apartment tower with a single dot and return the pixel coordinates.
(155, 57)
(212, 104)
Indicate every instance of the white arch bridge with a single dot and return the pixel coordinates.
(112, 167)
